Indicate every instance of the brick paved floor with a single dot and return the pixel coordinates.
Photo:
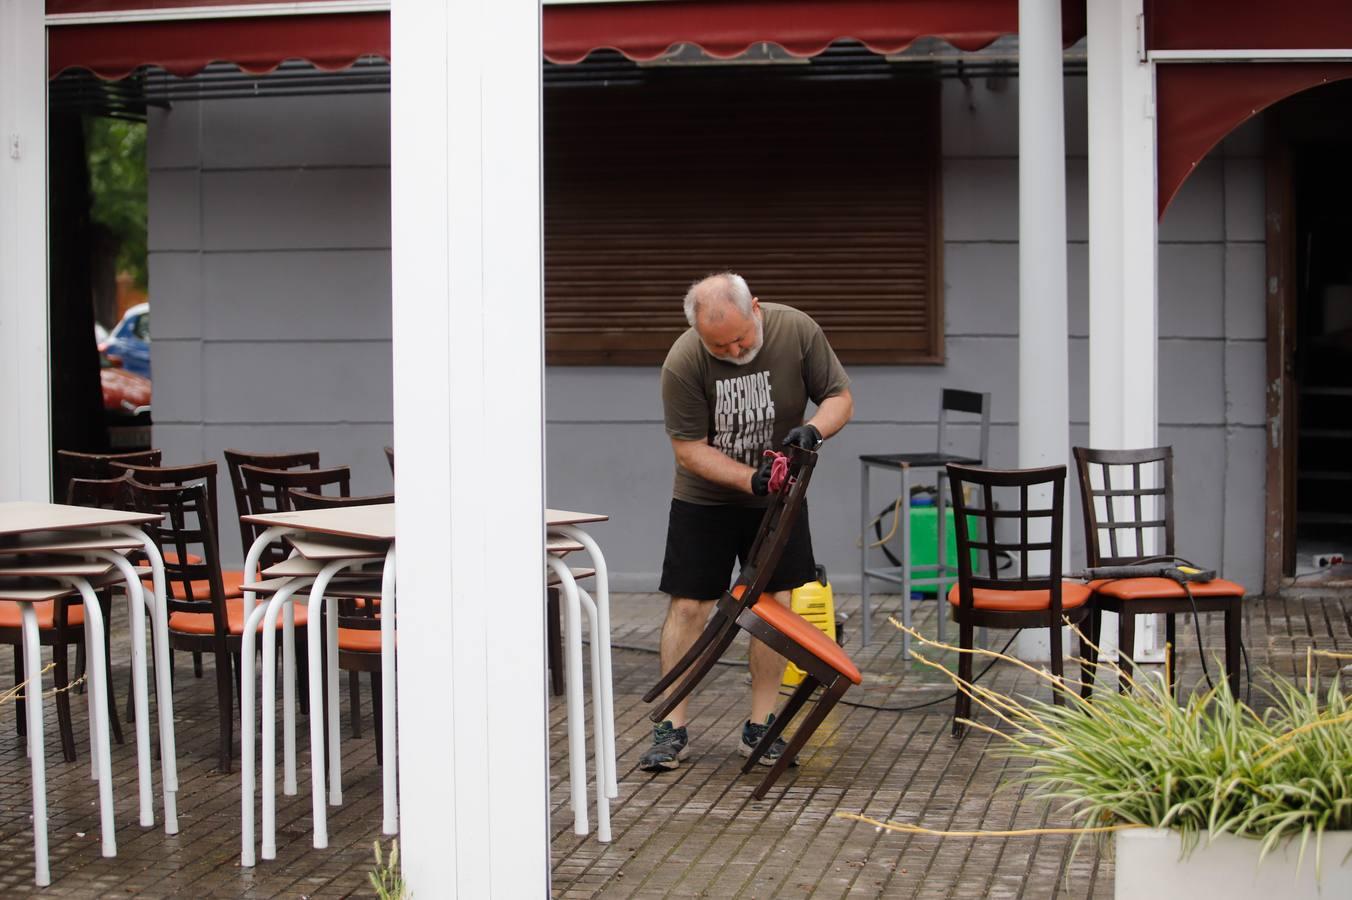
(692, 832)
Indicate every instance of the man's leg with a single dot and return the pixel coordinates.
(685, 622)
(767, 673)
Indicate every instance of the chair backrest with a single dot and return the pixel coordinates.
(268, 490)
(99, 493)
(187, 538)
(71, 464)
(776, 525)
(1114, 487)
(1017, 498)
(967, 403)
(159, 476)
(389, 458)
(303, 499)
(234, 459)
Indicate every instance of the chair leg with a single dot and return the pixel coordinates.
(20, 707)
(225, 707)
(554, 644)
(61, 677)
(303, 672)
(80, 665)
(702, 643)
(1171, 652)
(697, 672)
(795, 702)
(106, 607)
(1058, 662)
(1126, 648)
(375, 714)
(814, 719)
(962, 706)
(354, 700)
(1234, 635)
(1089, 639)
(197, 664)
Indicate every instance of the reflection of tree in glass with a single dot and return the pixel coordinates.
(116, 150)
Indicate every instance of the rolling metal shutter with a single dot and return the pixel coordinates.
(823, 194)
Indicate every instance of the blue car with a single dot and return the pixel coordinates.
(129, 341)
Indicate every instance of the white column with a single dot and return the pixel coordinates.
(468, 431)
(1123, 298)
(25, 439)
(1044, 405)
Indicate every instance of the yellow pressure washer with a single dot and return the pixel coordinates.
(815, 602)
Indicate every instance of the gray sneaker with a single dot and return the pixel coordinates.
(669, 748)
(751, 736)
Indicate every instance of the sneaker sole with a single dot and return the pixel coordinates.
(765, 760)
(667, 766)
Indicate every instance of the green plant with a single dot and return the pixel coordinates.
(1212, 764)
(385, 877)
(116, 150)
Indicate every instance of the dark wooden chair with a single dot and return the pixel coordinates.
(1125, 478)
(202, 620)
(71, 464)
(234, 460)
(1009, 497)
(358, 621)
(746, 607)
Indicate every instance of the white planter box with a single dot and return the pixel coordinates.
(1150, 866)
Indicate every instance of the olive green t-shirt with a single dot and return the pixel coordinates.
(745, 410)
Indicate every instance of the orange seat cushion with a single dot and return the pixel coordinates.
(231, 579)
(1164, 589)
(171, 559)
(201, 623)
(10, 617)
(359, 640)
(1073, 595)
(806, 635)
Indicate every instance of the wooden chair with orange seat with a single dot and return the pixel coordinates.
(1016, 498)
(268, 500)
(204, 620)
(1114, 483)
(746, 606)
(358, 621)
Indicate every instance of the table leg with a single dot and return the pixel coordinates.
(577, 738)
(98, 720)
(136, 614)
(32, 690)
(246, 735)
(603, 626)
(269, 769)
(388, 673)
(289, 700)
(164, 695)
(866, 614)
(335, 698)
(603, 766)
(313, 637)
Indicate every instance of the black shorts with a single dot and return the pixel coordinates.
(703, 542)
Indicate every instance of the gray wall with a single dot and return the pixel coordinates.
(269, 272)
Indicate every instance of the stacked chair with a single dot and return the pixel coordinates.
(745, 606)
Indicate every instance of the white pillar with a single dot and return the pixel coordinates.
(468, 430)
(25, 439)
(1123, 298)
(1044, 391)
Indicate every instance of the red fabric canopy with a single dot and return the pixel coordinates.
(1199, 104)
(185, 47)
(639, 30)
(1247, 24)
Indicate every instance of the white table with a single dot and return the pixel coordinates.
(563, 536)
(363, 534)
(60, 536)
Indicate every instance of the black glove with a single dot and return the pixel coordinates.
(805, 436)
(760, 482)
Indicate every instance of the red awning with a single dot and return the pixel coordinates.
(1199, 104)
(639, 30)
(1247, 25)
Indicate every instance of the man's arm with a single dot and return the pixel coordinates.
(713, 465)
(833, 413)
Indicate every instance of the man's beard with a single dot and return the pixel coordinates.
(749, 355)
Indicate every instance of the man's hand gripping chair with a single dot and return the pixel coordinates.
(746, 606)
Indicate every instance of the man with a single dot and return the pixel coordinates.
(734, 385)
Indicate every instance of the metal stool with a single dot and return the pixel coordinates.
(967, 402)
